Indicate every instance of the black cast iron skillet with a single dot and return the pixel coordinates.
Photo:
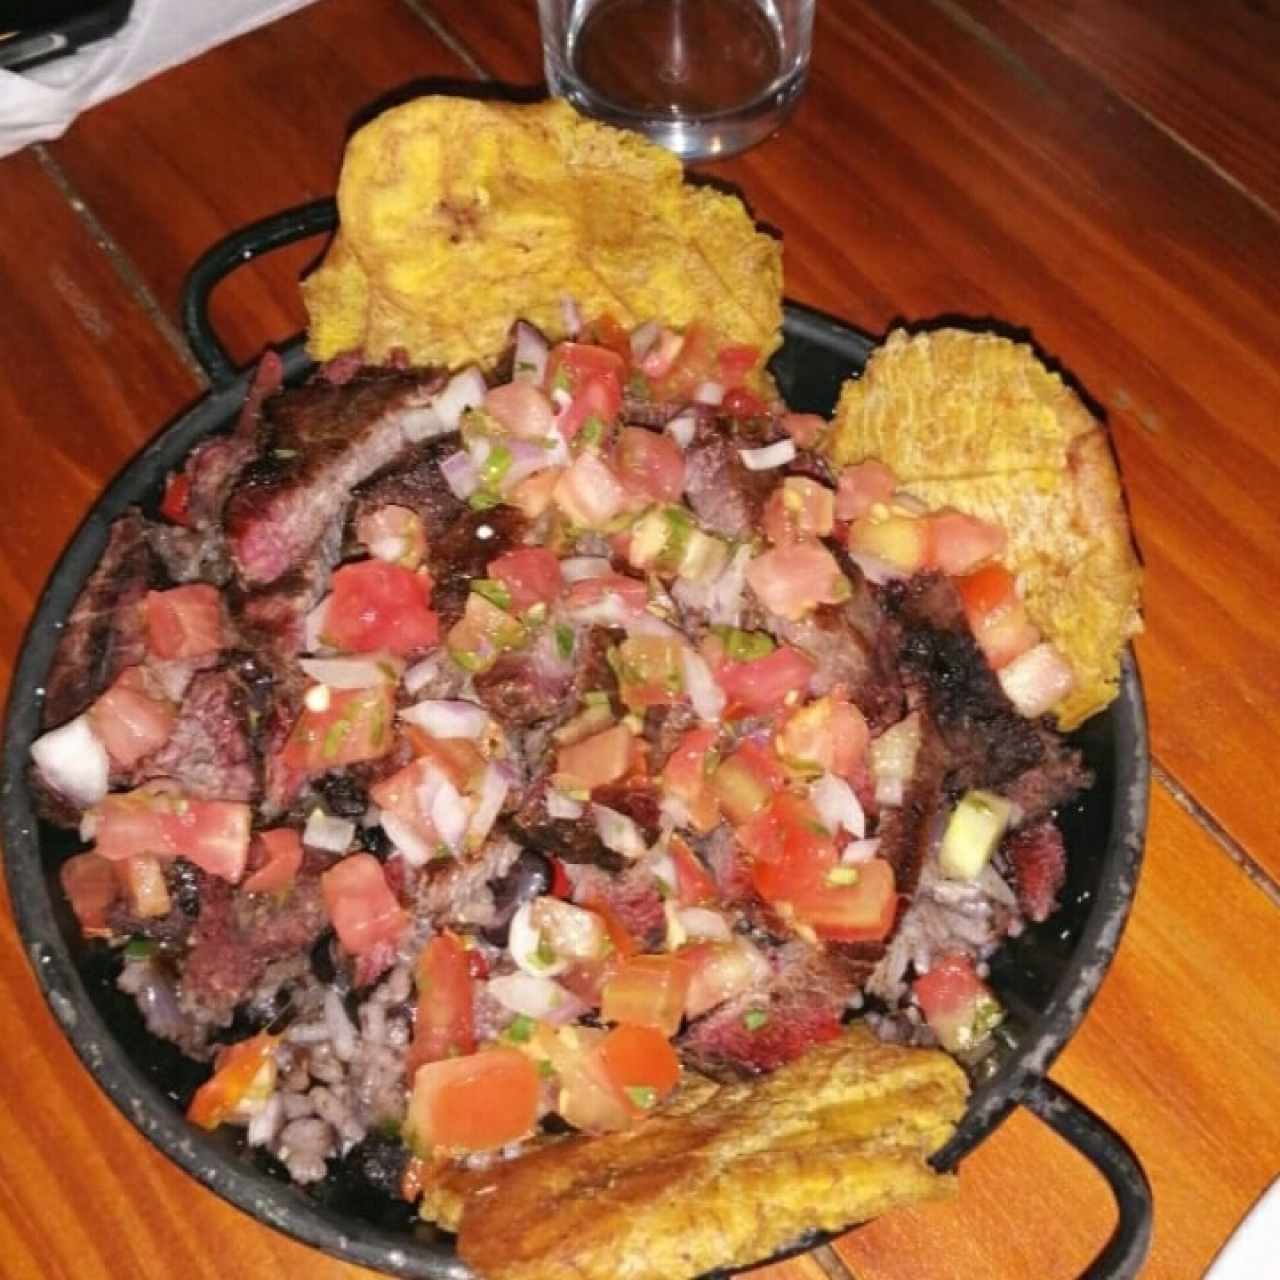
(1046, 977)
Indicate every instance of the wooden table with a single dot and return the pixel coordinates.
(1105, 174)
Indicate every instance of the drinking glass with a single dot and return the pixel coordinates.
(705, 78)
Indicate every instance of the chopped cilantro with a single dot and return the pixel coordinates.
(564, 640)
(592, 430)
(495, 592)
(519, 1029)
(139, 949)
(545, 1069)
(744, 646)
(644, 1096)
(483, 500)
(754, 1019)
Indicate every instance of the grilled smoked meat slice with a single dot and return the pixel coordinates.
(725, 1178)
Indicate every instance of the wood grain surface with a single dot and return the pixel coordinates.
(1102, 175)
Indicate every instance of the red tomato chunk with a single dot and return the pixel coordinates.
(380, 607)
(185, 622)
(361, 906)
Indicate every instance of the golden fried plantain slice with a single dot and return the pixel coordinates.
(733, 1174)
(458, 217)
(977, 422)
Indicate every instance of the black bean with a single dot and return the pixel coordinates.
(529, 876)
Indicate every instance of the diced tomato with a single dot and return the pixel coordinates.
(686, 776)
(445, 1026)
(561, 886)
(604, 757)
(960, 543)
(482, 633)
(719, 971)
(90, 884)
(474, 1103)
(763, 684)
(185, 622)
(130, 720)
(572, 363)
(641, 1064)
(459, 759)
(176, 503)
(996, 614)
(239, 1067)
(804, 428)
(624, 944)
(741, 403)
(605, 331)
(531, 575)
(790, 848)
(520, 408)
(849, 903)
(733, 362)
(587, 1097)
(649, 464)
(647, 991)
(355, 726)
(829, 735)
(589, 492)
(694, 884)
(281, 853)
(956, 1003)
(797, 509)
(159, 820)
(630, 592)
(532, 496)
(694, 364)
(861, 486)
(395, 534)
(376, 606)
(746, 781)
(792, 580)
(597, 401)
(650, 673)
(361, 906)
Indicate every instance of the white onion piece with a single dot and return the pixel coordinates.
(837, 806)
(561, 399)
(493, 791)
(709, 393)
(421, 673)
(313, 627)
(681, 429)
(571, 316)
(460, 474)
(876, 570)
(323, 831)
(530, 363)
(560, 805)
(768, 457)
(524, 942)
(674, 810)
(416, 849)
(644, 623)
(535, 997)
(449, 814)
(421, 423)
(724, 599)
(1037, 679)
(465, 390)
(890, 793)
(699, 922)
(663, 868)
(578, 568)
(611, 610)
(860, 850)
(364, 672)
(617, 831)
(892, 759)
(448, 718)
(643, 338)
(73, 761)
(706, 695)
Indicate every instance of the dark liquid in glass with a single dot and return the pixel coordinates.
(685, 57)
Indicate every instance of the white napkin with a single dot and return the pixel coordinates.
(1253, 1250)
(42, 103)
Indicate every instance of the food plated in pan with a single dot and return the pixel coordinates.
(468, 754)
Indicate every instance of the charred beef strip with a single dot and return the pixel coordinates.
(105, 632)
(419, 485)
(210, 751)
(317, 443)
(726, 496)
(464, 550)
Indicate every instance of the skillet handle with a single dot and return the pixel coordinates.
(1123, 1255)
(224, 257)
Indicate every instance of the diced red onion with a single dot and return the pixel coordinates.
(768, 457)
(530, 354)
(706, 695)
(460, 474)
(611, 610)
(363, 672)
(313, 627)
(73, 761)
(323, 831)
(837, 806)
(644, 623)
(617, 831)
(528, 457)
(493, 791)
(416, 849)
(578, 568)
(421, 673)
(663, 869)
(681, 429)
(860, 850)
(449, 814)
(465, 390)
(709, 393)
(536, 997)
(448, 718)
(560, 805)
(643, 338)
(700, 922)
(571, 316)
(876, 570)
